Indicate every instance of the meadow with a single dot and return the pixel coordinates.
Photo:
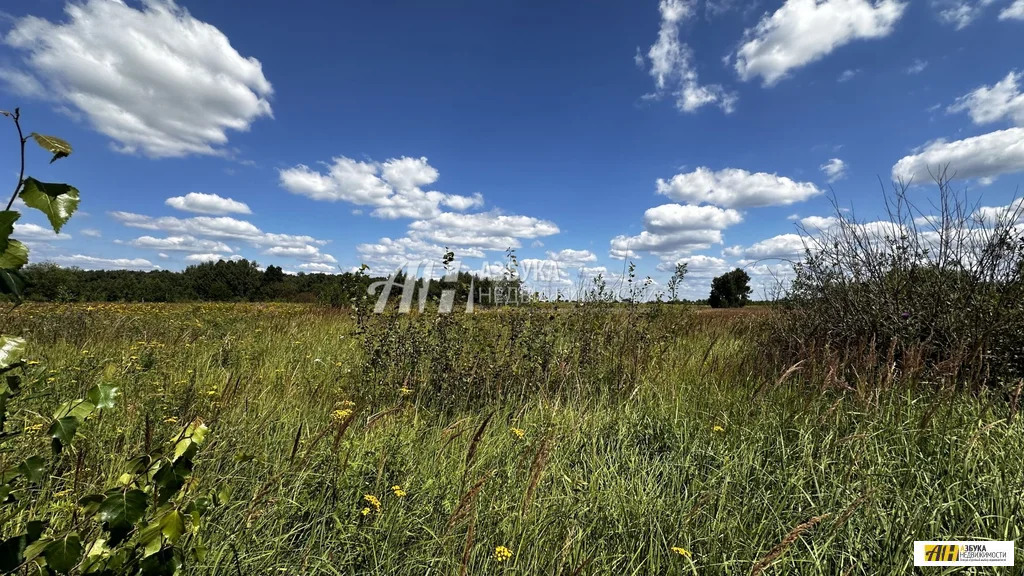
(599, 439)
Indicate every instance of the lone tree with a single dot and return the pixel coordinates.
(730, 290)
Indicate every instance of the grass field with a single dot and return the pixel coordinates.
(647, 440)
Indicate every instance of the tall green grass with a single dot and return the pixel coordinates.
(643, 429)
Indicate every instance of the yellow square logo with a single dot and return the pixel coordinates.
(941, 553)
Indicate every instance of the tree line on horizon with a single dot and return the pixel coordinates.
(244, 281)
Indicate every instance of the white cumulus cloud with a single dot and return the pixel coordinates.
(669, 218)
(154, 79)
(207, 204)
(804, 31)
(983, 156)
(736, 188)
(673, 67)
(1014, 11)
(834, 169)
(394, 187)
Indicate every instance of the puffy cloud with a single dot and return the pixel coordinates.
(784, 246)
(319, 267)
(34, 232)
(95, 263)
(698, 266)
(990, 215)
(819, 222)
(207, 204)
(222, 227)
(984, 156)
(987, 104)
(834, 169)
(666, 245)
(672, 64)
(179, 244)
(804, 31)
(572, 258)
(204, 257)
(154, 79)
(393, 187)
(669, 218)
(1014, 11)
(735, 188)
(308, 253)
(388, 254)
(485, 230)
(960, 13)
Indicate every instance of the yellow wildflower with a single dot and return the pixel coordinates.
(519, 433)
(341, 414)
(718, 429)
(502, 554)
(373, 501)
(365, 511)
(405, 390)
(398, 491)
(681, 551)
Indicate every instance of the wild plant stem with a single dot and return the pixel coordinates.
(21, 138)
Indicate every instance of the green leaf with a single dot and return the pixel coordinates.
(76, 408)
(64, 554)
(32, 469)
(34, 530)
(15, 256)
(12, 553)
(170, 478)
(12, 282)
(164, 563)
(90, 504)
(11, 351)
(120, 511)
(58, 147)
(173, 526)
(7, 220)
(57, 201)
(194, 435)
(63, 432)
(102, 396)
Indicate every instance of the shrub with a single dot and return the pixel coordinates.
(933, 295)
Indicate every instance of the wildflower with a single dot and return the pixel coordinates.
(519, 433)
(681, 551)
(365, 511)
(341, 414)
(405, 390)
(373, 501)
(347, 404)
(718, 429)
(502, 554)
(398, 491)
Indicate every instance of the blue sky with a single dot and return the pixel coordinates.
(579, 133)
